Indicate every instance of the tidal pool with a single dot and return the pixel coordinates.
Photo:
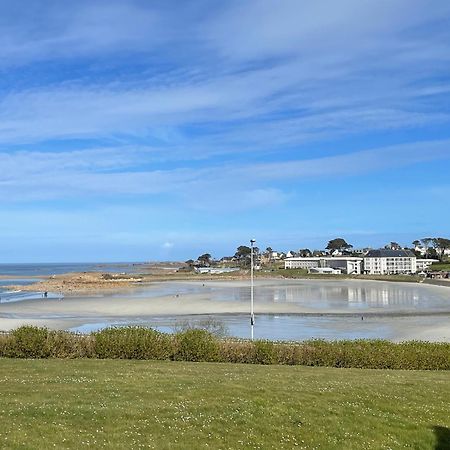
(345, 296)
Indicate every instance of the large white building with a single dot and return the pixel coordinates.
(375, 262)
(346, 264)
(384, 261)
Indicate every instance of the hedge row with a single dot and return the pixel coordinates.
(200, 345)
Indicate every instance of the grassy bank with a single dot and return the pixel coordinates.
(303, 273)
(136, 404)
(445, 266)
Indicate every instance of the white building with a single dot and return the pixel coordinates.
(424, 264)
(325, 270)
(216, 270)
(384, 261)
(346, 264)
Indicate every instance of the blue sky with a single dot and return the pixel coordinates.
(136, 130)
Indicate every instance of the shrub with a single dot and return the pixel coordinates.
(131, 343)
(236, 351)
(4, 343)
(201, 345)
(28, 342)
(264, 352)
(213, 326)
(61, 344)
(196, 345)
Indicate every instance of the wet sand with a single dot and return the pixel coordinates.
(171, 300)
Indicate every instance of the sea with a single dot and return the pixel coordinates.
(14, 274)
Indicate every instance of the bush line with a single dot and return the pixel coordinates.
(200, 345)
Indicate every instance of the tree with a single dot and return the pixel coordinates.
(268, 253)
(205, 259)
(243, 252)
(393, 246)
(416, 243)
(440, 245)
(426, 242)
(338, 244)
(305, 252)
(243, 255)
(432, 253)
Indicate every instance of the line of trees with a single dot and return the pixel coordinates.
(434, 247)
(438, 246)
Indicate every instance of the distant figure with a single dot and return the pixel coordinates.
(45, 294)
(362, 317)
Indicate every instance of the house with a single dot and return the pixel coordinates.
(424, 250)
(216, 270)
(325, 270)
(388, 261)
(343, 264)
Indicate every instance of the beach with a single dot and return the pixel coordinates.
(397, 311)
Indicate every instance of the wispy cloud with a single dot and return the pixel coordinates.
(109, 172)
(286, 76)
(204, 112)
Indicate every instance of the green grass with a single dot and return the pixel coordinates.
(135, 404)
(440, 266)
(303, 274)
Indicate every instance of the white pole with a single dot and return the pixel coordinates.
(252, 317)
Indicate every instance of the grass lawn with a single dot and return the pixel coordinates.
(440, 266)
(303, 274)
(144, 404)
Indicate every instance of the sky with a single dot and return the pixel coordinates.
(161, 130)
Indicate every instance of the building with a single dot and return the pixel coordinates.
(216, 270)
(424, 250)
(386, 261)
(325, 270)
(423, 265)
(344, 264)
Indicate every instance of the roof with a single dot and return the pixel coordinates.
(327, 258)
(387, 253)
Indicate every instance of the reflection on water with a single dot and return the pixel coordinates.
(8, 296)
(19, 296)
(321, 295)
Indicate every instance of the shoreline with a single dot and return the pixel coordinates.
(172, 300)
(82, 283)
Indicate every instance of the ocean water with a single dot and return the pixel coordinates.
(45, 269)
(18, 274)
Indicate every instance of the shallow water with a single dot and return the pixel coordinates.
(18, 296)
(290, 327)
(347, 296)
(339, 309)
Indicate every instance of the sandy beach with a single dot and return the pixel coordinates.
(405, 318)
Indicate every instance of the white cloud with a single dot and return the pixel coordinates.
(326, 71)
(107, 173)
